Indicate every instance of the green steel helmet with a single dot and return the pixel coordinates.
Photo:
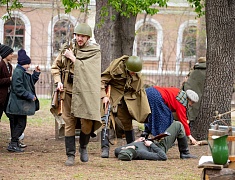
(134, 64)
(83, 29)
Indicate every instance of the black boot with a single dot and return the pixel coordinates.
(105, 143)
(14, 147)
(183, 148)
(130, 136)
(83, 140)
(70, 150)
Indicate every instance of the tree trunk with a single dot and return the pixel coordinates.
(220, 27)
(115, 36)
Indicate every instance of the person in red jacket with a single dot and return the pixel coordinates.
(165, 100)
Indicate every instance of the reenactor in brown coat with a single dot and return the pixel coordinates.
(82, 98)
(128, 95)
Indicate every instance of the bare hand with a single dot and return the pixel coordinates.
(147, 143)
(192, 140)
(69, 54)
(60, 86)
(140, 139)
(37, 69)
(106, 102)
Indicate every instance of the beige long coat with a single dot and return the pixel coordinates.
(129, 87)
(86, 82)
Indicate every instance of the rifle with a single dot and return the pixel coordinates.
(54, 103)
(159, 136)
(65, 79)
(107, 112)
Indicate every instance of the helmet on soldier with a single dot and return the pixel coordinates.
(134, 64)
(83, 29)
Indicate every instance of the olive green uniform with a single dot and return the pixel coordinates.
(127, 93)
(195, 82)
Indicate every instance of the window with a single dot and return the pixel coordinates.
(63, 31)
(14, 33)
(146, 41)
(189, 43)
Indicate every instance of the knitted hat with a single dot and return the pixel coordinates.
(5, 51)
(193, 96)
(201, 60)
(23, 58)
(127, 154)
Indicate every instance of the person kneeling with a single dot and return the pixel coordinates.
(144, 149)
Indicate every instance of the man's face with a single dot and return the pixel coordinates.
(190, 102)
(81, 39)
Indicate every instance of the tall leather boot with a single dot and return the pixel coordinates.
(183, 148)
(130, 136)
(70, 150)
(83, 140)
(104, 144)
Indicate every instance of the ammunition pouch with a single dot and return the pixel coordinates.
(70, 77)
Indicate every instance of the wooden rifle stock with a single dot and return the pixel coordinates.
(159, 136)
(60, 108)
(54, 103)
(62, 92)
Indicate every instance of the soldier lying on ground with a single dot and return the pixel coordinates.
(143, 149)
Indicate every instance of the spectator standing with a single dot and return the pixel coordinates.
(22, 100)
(6, 54)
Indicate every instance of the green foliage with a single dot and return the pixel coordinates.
(82, 5)
(11, 5)
(124, 7)
(199, 6)
(127, 7)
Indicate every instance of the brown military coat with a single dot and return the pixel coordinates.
(125, 86)
(85, 88)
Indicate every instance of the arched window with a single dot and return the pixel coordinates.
(146, 41)
(63, 32)
(189, 43)
(14, 33)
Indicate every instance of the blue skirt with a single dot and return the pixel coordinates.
(161, 116)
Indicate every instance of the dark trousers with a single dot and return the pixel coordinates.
(19, 122)
(10, 116)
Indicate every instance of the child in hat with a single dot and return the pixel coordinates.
(23, 100)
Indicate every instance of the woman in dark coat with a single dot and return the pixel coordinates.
(6, 54)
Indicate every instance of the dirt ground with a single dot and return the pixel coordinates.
(44, 159)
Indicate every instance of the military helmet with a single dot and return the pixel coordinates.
(83, 29)
(134, 64)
